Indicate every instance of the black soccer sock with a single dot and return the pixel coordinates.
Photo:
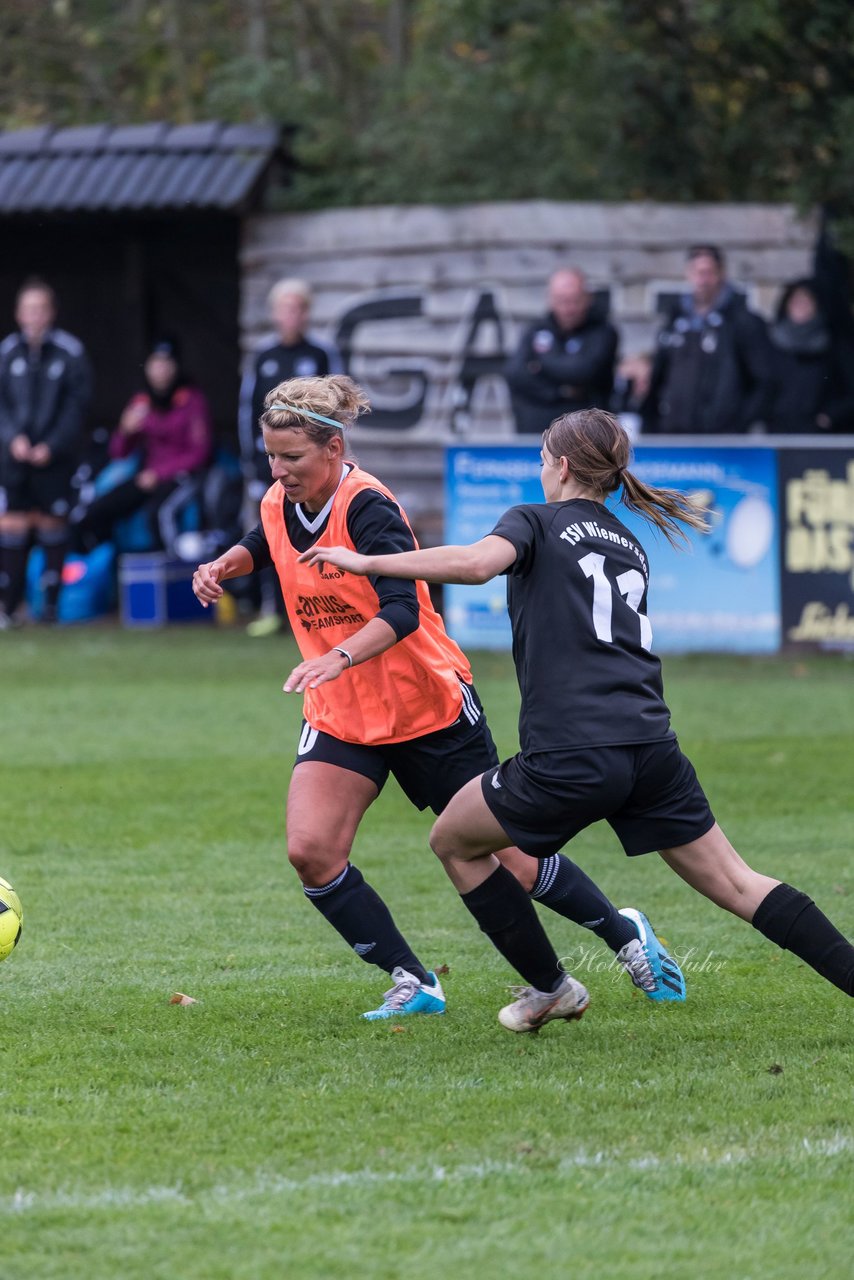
(506, 915)
(364, 921)
(792, 920)
(55, 545)
(566, 889)
(15, 548)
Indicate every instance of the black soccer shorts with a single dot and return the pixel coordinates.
(647, 792)
(47, 490)
(430, 769)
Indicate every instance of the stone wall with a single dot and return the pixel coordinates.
(426, 300)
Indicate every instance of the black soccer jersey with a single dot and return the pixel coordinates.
(577, 595)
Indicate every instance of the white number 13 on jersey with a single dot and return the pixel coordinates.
(630, 586)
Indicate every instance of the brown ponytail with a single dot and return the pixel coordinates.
(597, 449)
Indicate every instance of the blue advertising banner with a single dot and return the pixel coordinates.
(721, 593)
(480, 483)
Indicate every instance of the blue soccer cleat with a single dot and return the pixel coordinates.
(408, 995)
(648, 962)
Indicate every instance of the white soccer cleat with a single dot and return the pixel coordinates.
(532, 1008)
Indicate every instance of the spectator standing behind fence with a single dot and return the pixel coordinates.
(45, 389)
(294, 353)
(631, 387)
(712, 368)
(812, 369)
(168, 426)
(565, 359)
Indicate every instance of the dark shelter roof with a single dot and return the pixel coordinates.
(134, 168)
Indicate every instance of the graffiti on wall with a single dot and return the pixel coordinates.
(411, 388)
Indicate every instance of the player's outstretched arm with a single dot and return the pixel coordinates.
(477, 562)
(233, 563)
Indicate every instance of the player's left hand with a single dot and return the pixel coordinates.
(317, 671)
(341, 557)
(206, 586)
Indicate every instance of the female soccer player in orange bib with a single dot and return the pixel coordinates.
(595, 735)
(387, 691)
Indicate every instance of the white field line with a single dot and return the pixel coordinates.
(267, 1185)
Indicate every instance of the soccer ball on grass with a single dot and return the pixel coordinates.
(11, 918)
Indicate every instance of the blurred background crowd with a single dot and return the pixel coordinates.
(158, 480)
(439, 173)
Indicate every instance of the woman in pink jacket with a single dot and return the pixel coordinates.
(168, 425)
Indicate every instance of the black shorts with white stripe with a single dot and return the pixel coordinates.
(429, 770)
(648, 792)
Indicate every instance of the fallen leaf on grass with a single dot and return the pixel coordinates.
(180, 998)
(441, 970)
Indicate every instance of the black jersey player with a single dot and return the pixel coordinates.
(595, 735)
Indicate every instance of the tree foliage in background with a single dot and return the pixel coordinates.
(449, 100)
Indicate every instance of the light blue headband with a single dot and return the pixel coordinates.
(309, 413)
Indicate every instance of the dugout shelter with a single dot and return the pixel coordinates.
(138, 228)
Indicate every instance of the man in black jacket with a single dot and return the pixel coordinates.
(565, 360)
(712, 370)
(45, 387)
(292, 353)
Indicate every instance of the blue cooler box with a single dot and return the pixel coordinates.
(156, 589)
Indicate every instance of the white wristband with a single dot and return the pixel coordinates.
(344, 654)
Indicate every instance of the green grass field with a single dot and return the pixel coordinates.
(266, 1131)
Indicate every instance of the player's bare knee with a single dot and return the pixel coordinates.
(446, 844)
(439, 844)
(450, 847)
(315, 865)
